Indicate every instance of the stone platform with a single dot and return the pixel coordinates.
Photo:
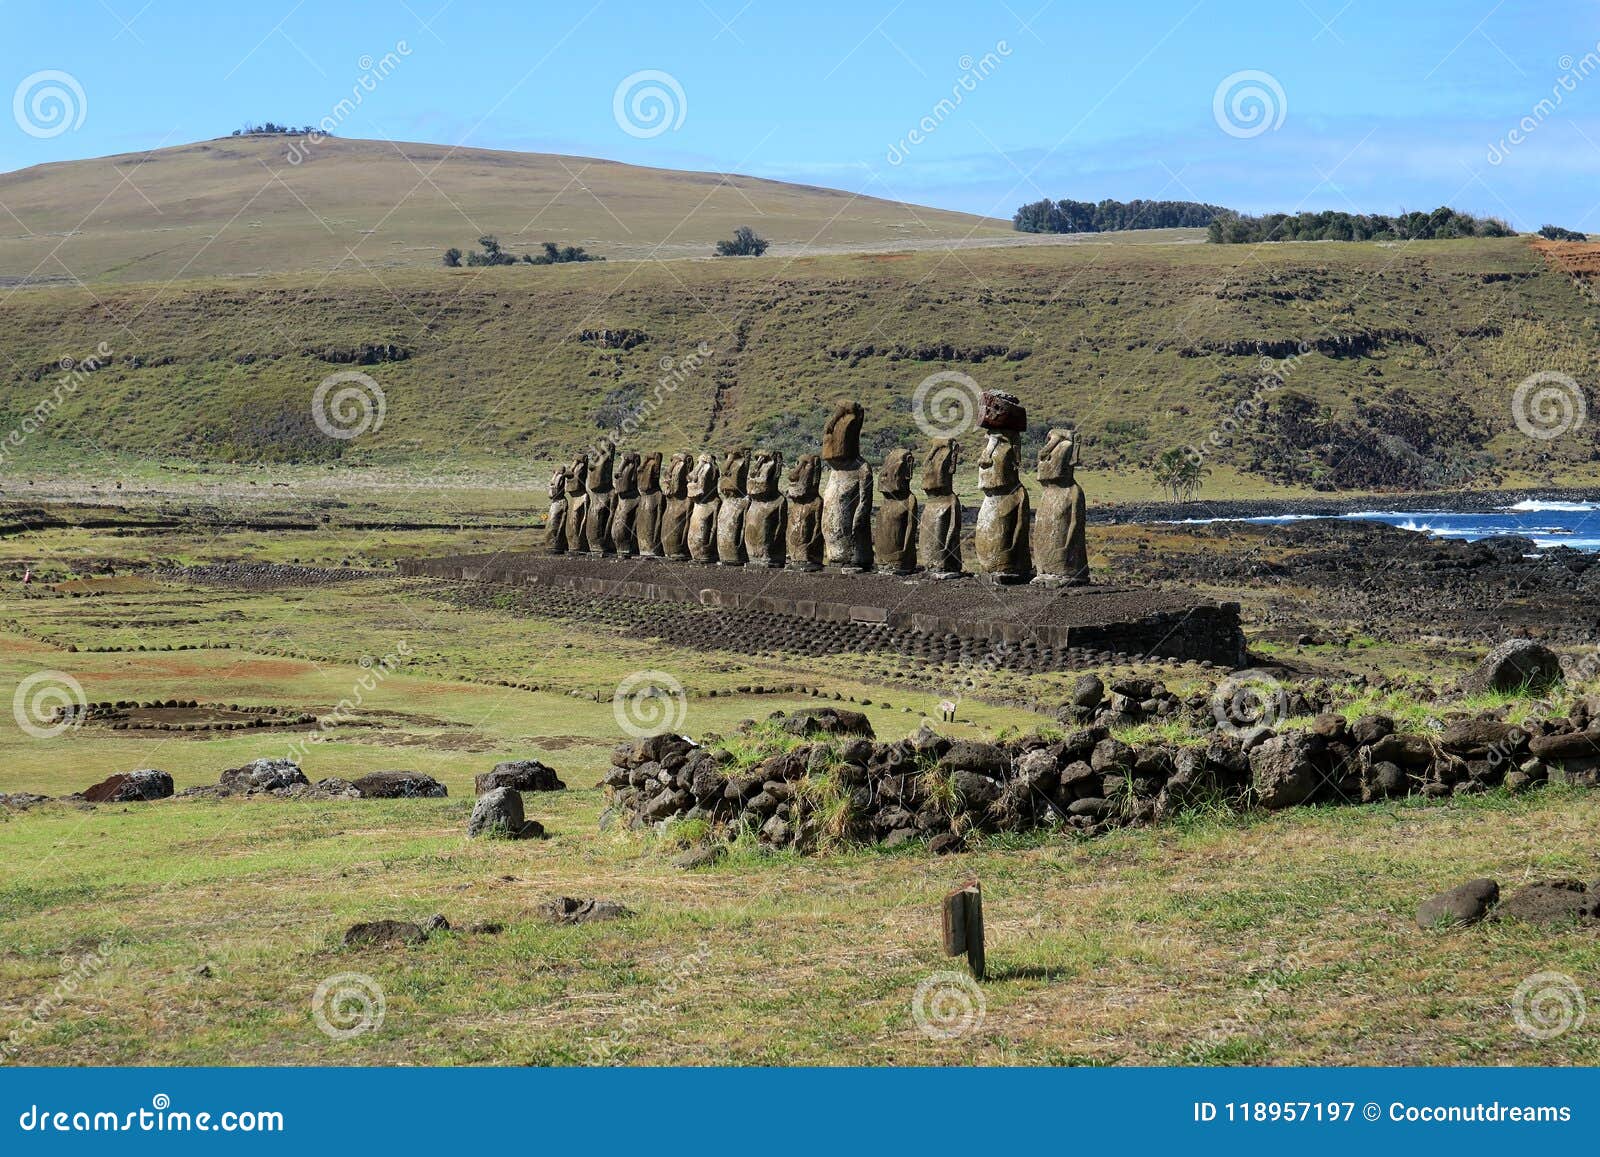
(1035, 628)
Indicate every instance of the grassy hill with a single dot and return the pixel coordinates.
(237, 205)
(1351, 366)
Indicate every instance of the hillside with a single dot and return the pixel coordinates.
(238, 206)
(1411, 360)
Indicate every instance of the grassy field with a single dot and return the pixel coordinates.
(198, 931)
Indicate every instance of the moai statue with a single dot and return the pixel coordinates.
(652, 504)
(764, 517)
(555, 529)
(803, 543)
(894, 539)
(1002, 535)
(602, 499)
(625, 506)
(675, 513)
(939, 539)
(732, 487)
(1060, 549)
(578, 505)
(846, 492)
(702, 533)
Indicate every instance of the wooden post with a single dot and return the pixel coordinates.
(963, 925)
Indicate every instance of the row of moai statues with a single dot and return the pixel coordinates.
(745, 512)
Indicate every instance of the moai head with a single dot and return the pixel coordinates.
(841, 437)
(1057, 457)
(578, 475)
(997, 465)
(650, 474)
(676, 483)
(764, 470)
(939, 469)
(558, 485)
(703, 481)
(601, 465)
(735, 473)
(628, 474)
(805, 478)
(894, 480)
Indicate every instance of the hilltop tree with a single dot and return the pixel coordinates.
(745, 243)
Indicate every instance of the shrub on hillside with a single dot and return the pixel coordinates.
(744, 243)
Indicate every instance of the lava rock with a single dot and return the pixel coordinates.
(384, 933)
(263, 775)
(827, 721)
(1088, 692)
(131, 787)
(498, 814)
(569, 910)
(399, 785)
(519, 775)
(1284, 771)
(968, 755)
(1514, 664)
(1551, 902)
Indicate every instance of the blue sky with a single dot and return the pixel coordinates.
(1368, 105)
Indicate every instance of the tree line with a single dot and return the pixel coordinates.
(1333, 225)
(490, 253)
(1106, 216)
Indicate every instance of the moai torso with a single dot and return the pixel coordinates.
(1001, 540)
(764, 516)
(894, 539)
(555, 529)
(652, 503)
(702, 534)
(578, 505)
(803, 541)
(602, 501)
(676, 508)
(625, 509)
(731, 489)
(939, 538)
(1060, 546)
(846, 492)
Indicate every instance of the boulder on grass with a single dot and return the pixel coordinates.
(131, 787)
(1464, 904)
(1284, 770)
(263, 775)
(570, 910)
(498, 814)
(519, 775)
(399, 785)
(1514, 665)
(827, 721)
